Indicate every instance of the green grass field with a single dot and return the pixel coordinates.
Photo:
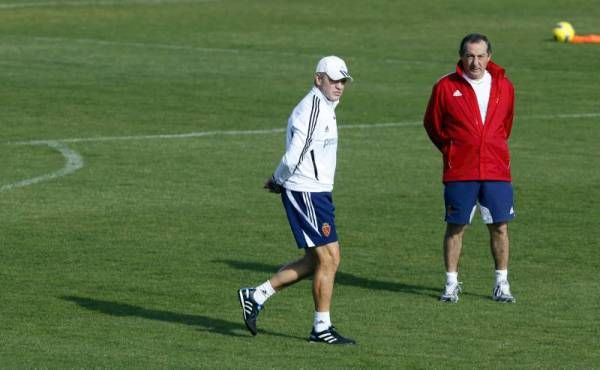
(122, 243)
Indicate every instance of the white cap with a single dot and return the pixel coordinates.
(334, 67)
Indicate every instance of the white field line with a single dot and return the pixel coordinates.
(564, 115)
(271, 130)
(74, 161)
(40, 4)
(204, 133)
(143, 45)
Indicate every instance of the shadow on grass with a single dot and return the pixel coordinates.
(344, 278)
(203, 323)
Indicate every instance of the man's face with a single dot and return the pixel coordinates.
(333, 90)
(475, 59)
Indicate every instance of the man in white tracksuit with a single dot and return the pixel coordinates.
(304, 178)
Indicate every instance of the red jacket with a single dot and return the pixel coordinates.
(471, 150)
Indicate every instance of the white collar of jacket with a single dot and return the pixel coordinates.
(332, 104)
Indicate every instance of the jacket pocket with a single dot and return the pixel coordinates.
(502, 154)
(314, 163)
(448, 154)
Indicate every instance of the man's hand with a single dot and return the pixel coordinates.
(272, 186)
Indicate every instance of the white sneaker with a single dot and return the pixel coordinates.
(450, 293)
(502, 294)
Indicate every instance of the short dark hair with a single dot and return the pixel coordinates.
(474, 38)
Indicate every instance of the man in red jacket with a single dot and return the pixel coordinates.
(469, 119)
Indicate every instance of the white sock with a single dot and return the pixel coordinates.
(451, 278)
(263, 292)
(501, 275)
(322, 321)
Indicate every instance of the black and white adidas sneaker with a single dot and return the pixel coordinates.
(250, 309)
(329, 336)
